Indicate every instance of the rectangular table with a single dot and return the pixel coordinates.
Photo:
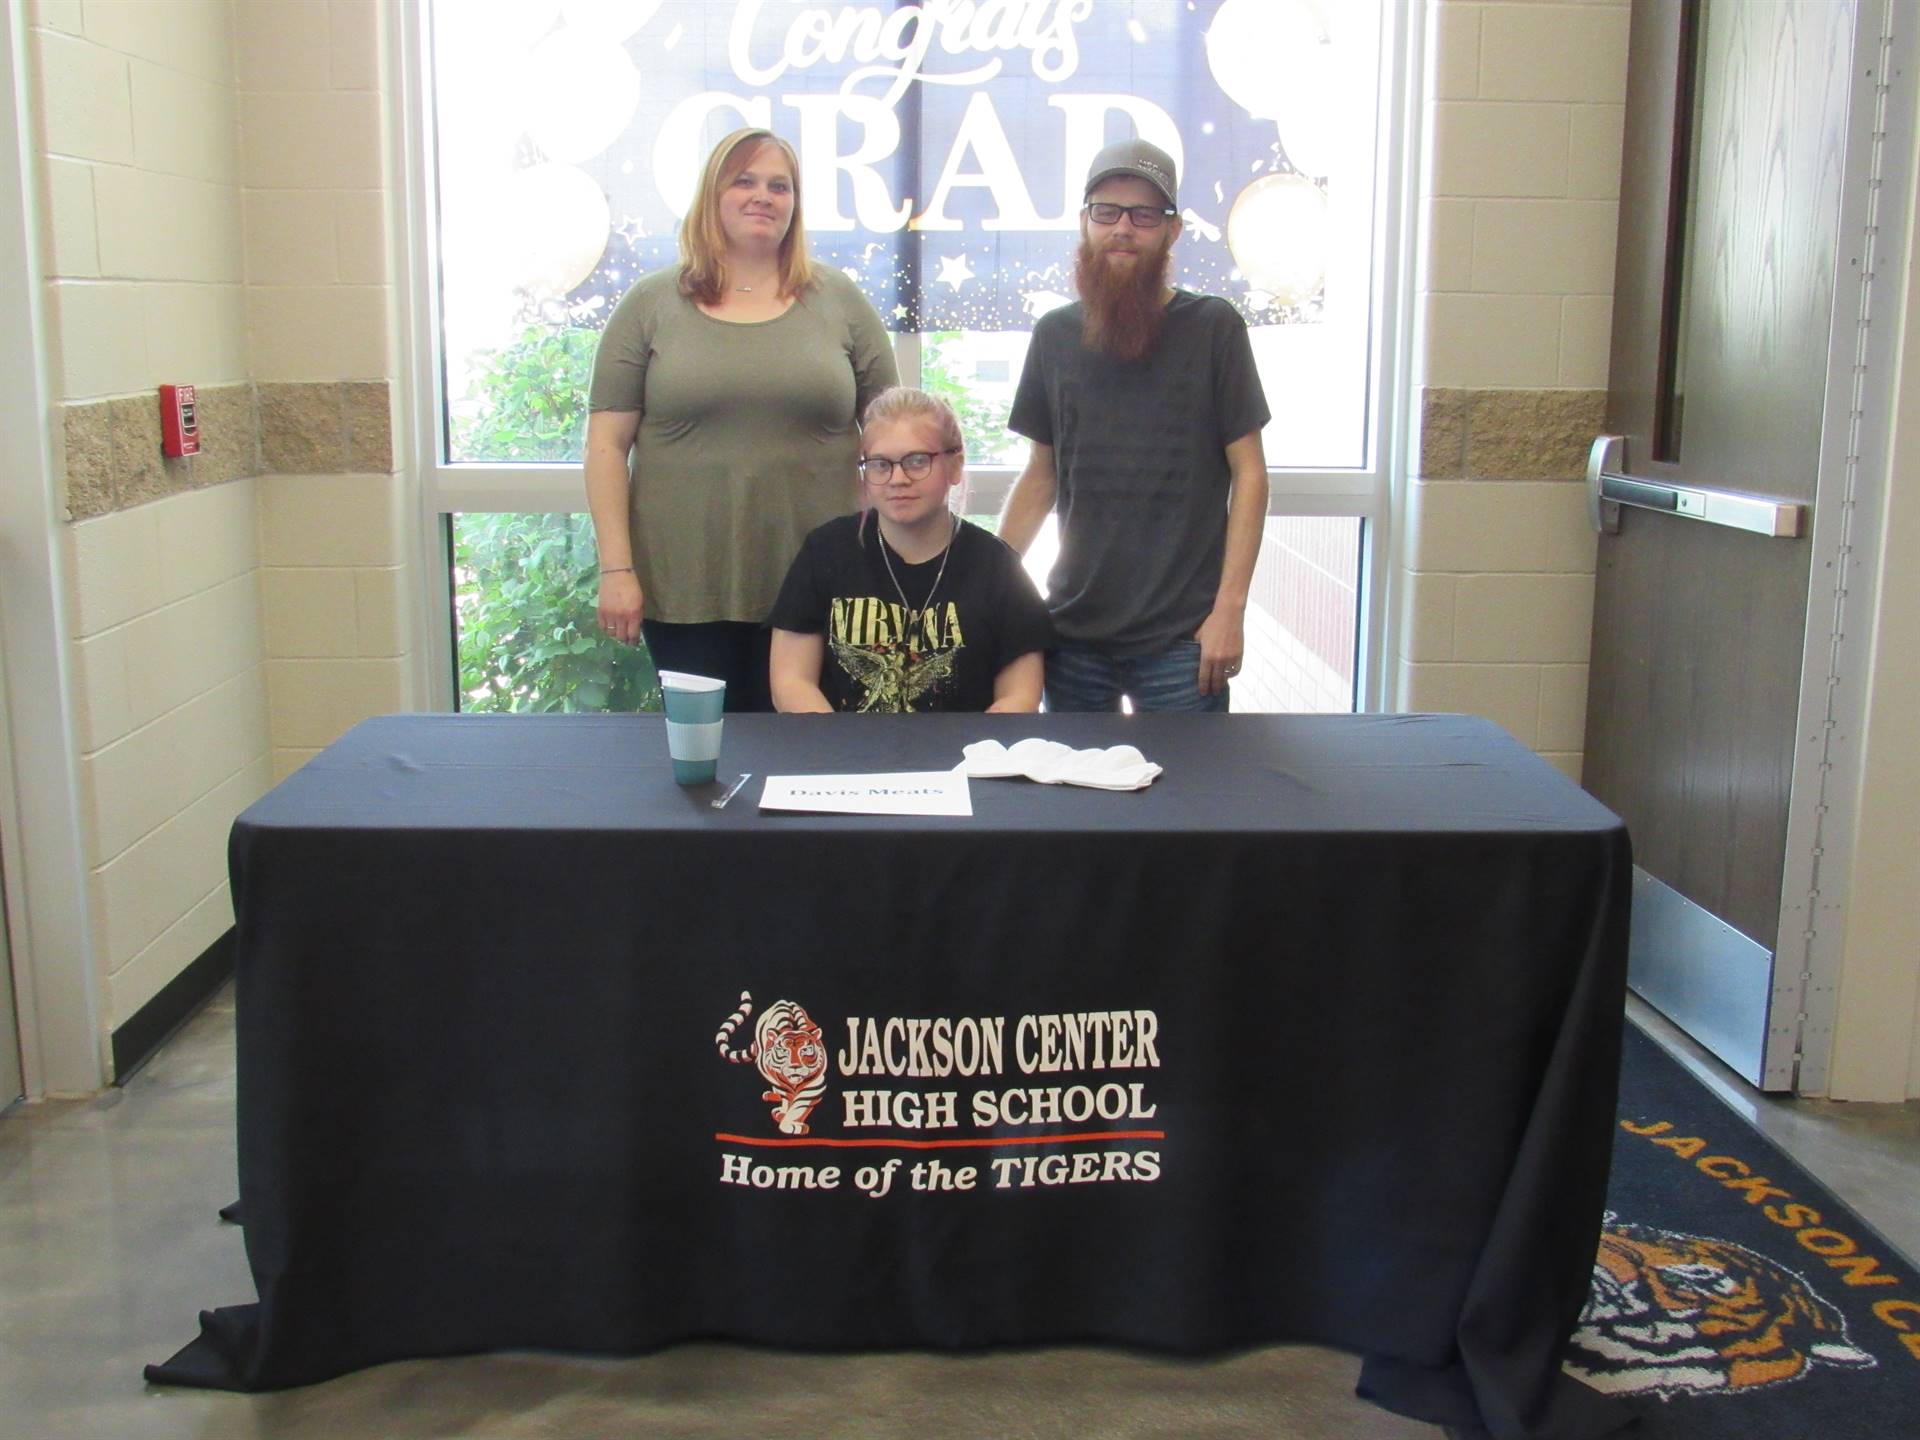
(1314, 1039)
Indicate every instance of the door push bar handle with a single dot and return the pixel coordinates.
(1608, 489)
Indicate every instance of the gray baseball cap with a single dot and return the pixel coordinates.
(1136, 157)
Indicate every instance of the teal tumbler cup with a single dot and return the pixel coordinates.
(694, 705)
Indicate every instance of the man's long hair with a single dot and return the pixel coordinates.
(703, 244)
(1124, 305)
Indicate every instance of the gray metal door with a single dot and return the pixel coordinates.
(1737, 125)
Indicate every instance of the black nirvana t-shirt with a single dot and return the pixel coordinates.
(941, 649)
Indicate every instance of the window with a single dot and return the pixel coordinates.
(942, 152)
(524, 594)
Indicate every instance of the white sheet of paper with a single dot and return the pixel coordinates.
(906, 792)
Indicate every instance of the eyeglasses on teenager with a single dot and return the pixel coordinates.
(877, 470)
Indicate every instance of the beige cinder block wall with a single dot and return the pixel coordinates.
(212, 197)
(1519, 199)
(336, 518)
(140, 202)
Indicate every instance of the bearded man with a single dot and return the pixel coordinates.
(1144, 410)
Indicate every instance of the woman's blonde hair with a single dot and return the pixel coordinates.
(703, 244)
(903, 403)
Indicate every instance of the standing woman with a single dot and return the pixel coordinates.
(724, 421)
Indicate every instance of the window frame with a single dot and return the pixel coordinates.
(1371, 492)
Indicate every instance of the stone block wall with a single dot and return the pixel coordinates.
(1520, 184)
(212, 202)
(337, 518)
(134, 117)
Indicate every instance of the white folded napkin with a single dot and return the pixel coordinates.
(1120, 767)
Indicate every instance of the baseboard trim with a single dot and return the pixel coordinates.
(149, 1027)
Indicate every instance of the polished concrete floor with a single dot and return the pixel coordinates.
(109, 1246)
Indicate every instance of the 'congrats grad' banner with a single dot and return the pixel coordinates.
(942, 145)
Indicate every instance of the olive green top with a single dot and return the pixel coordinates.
(748, 436)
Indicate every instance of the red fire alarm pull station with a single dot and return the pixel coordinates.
(179, 426)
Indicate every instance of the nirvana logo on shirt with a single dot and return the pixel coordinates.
(1076, 1123)
(893, 656)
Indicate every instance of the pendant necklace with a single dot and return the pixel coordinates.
(913, 615)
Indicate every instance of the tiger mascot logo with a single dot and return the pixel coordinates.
(790, 1053)
(1672, 1314)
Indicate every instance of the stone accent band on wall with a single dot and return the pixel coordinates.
(1508, 434)
(111, 456)
(339, 428)
(113, 460)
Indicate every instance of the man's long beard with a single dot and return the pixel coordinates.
(1125, 305)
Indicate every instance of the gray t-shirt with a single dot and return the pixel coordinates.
(748, 436)
(1141, 454)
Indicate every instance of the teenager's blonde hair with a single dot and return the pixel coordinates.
(903, 403)
(703, 244)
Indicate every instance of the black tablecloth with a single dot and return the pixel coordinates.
(1343, 1006)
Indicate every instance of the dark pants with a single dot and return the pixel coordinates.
(731, 650)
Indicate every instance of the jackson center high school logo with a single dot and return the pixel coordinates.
(791, 1055)
(1080, 1118)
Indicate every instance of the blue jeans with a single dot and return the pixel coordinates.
(1082, 677)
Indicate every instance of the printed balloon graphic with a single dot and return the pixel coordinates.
(612, 20)
(1277, 231)
(499, 24)
(581, 93)
(1275, 59)
(557, 221)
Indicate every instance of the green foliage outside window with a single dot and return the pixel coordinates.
(528, 400)
(526, 587)
(982, 420)
(526, 593)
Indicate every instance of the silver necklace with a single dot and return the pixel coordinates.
(913, 615)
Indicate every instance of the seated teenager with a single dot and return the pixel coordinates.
(905, 606)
